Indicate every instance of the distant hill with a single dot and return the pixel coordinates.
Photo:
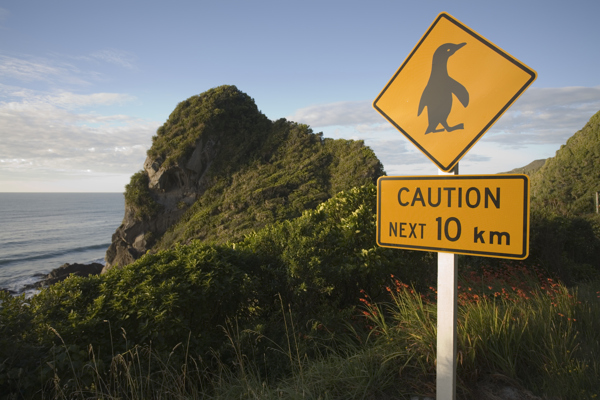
(219, 169)
(529, 169)
(566, 183)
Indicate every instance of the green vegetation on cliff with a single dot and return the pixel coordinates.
(138, 196)
(223, 112)
(302, 171)
(245, 171)
(565, 229)
(529, 169)
(566, 184)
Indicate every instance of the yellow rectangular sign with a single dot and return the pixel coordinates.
(482, 215)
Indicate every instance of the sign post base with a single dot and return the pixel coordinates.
(446, 326)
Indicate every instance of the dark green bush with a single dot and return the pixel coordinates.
(293, 171)
(316, 265)
(567, 247)
(221, 112)
(139, 197)
(328, 255)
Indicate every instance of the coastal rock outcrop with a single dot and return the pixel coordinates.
(219, 168)
(64, 271)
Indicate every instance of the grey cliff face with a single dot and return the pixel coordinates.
(175, 188)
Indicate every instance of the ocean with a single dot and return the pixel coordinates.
(42, 231)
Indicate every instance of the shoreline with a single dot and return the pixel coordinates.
(32, 284)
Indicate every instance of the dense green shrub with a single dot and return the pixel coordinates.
(223, 111)
(567, 247)
(567, 183)
(162, 299)
(294, 170)
(327, 256)
(314, 266)
(293, 285)
(139, 197)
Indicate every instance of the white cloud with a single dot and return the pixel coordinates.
(116, 57)
(72, 100)
(21, 97)
(344, 113)
(543, 115)
(546, 116)
(24, 70)
(42, 136)
(538, 123)
(49, 135)
(60, 70)
(39, 70)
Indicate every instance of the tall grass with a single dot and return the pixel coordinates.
(513, 323)
(516, 327)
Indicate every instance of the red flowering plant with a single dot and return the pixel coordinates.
(511, 280)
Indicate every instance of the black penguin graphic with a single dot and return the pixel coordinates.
(437, 95)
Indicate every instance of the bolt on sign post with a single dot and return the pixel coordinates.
(449, 91)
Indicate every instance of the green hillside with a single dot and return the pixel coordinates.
(565, 230)
(529, 169)
(295, 171)
(219, 169)
(309, 308)
(567, 183)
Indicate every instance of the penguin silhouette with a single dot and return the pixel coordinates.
(437, 96)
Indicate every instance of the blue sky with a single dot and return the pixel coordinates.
(84, 85)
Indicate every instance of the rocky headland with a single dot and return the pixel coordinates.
(219, 168)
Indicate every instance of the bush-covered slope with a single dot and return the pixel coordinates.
(278, 312)
(293, 287)
(565, 230)
(303, 171)
(529, 169)
(316, 265)
(566, 184)
(219, 169)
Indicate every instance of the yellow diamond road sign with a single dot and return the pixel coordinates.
(482, 215)
(450, 90)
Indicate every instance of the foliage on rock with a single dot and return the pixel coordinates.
(139, 197)
(565, 230)
(567, 183)
(220, 169)
(223, 112)
(301, 171)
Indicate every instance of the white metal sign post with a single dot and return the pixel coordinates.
(446, 321)
(481, 215)
(449, 91)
